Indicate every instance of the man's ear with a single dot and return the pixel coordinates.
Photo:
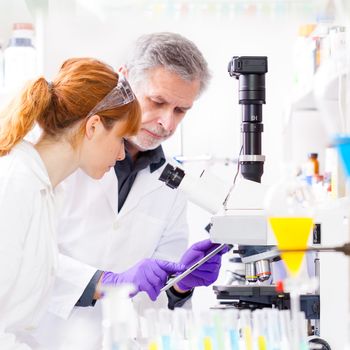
(91, 125)
(123, 70)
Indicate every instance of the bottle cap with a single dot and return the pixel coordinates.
(22, 26)
(313, 155)
(279, 287)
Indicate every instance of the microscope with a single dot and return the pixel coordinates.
(239, 218)
(243, 221)
(238, 215)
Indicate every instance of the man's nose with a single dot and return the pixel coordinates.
(167, 120)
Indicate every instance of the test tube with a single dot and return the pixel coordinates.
(286, 331)
(230, 319)
(208, 331)
(119, 322)
(246, 329)
(303, 345)
(153, 331)
(165, 318)
(273, 328)
(259, 330)
(193, 332)
(178, 341)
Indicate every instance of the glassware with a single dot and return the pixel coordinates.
(119, 323)
(289, 210)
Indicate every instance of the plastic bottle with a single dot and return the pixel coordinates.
(312, 168)
(314, 161)
(20, 58)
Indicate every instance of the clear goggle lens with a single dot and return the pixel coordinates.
(119, 96)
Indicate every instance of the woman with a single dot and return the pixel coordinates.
(84, 115)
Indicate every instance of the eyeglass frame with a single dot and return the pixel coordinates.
(120, 95)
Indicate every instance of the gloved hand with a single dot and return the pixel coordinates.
(205, 274)
(149, 275)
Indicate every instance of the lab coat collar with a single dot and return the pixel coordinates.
(144, 184)
(29, 156)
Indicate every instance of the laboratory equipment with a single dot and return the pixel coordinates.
(20, 57)
(342, 143)
(222, 329)
(119, 324)
(240, 216)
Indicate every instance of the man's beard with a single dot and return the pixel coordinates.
(145, 142)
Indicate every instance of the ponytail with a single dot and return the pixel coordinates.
(21, 114)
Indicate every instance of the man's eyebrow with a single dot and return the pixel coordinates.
(162, 99)
(159, 97)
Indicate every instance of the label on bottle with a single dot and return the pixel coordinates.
(20, 65)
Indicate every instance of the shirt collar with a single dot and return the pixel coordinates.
(154, 158)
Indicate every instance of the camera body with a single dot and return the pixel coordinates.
(250, 71)
(247, 65)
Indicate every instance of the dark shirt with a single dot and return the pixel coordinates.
(126, 171)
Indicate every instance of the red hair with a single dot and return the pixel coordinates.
(80, 84)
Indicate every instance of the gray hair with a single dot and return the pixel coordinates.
(171, 51)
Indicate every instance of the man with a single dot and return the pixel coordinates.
(130, 215)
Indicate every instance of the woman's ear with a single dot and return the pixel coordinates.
(91, 126)
(123, 70)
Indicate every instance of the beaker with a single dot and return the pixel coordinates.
(119, 321)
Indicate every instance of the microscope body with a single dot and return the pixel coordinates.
(244, 223)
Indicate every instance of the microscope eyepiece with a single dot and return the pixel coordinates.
(172, 176)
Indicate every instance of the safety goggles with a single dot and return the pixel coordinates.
(119, 96)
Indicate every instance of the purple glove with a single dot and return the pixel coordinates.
(205, 274)
(149, 275)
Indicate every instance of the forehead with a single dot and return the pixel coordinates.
(168, 85)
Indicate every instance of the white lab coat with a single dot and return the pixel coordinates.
(93, 235)
(28, 249)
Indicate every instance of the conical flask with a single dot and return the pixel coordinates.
(288, 207)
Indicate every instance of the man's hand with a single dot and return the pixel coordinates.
(205, 274)
(149, 276)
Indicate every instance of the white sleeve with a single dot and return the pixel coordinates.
(15, 215)
(174, 240)
(72, 278)
(8, 341)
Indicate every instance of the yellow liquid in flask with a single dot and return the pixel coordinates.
(292, 233)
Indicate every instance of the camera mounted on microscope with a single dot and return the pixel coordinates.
(250, 71)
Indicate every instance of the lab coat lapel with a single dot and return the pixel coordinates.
(109, 183)
(145, 183)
